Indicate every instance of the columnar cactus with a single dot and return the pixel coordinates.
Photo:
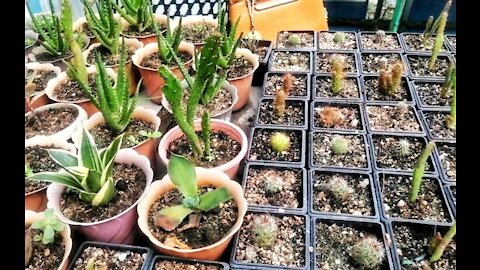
(440, 247)
(431, 26)
(279, 103)
(390, 79)
(438, 40)
(265, 230)
(368, 252)
(340, 145)
(419, 170)
(449, 80)
(338, 74)
(451, 120)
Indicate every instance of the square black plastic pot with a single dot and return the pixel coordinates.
(297, 48)
(302, 133)
(234, 264)
(302, 102)
(277, 51)
(312, 165)
(450, 46)
(117, 247)
(406, 82)
(394, 34)
(353, 73)
(452, 199)
(335, 98)
(157, 258)
(409, 50)
(415, 77)
(259, 73)
(430, 135)
(364, 71)
(312, 212)
(395, 132)
(442, 172)
(378, 175)
(372, 226)
(420, 104)
(313, 115)
(302, 75)
(303, 196)
(319, 44)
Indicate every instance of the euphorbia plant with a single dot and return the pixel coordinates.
(136, 12)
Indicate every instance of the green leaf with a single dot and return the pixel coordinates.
(39, 224)
(48, 213)
(57, 226)
(63, 158)
(212, 199)
(182, 173)
(48, 235)
(93, 180)
(105, 194)
(57, 178)
(112, 150)
(169, 218)
(155, 134)
(88, 152)
(143, 133)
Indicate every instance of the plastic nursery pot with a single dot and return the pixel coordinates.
(286, 34)
(128, 250)
(37, 200)
(192, 20)
(67, 132)
(30, 35)
(40, 98)
(394, 35)
(354, 71)
(119, 229)
(430, 134)
(188, 263)
(371, 190)
(236, 264)
(244, 83)
(300, 78)
(311, 143)
(416, 35)
(439, 76)
(452, 46)
(232, 130)
(152, 81)
(259, 74)
(365, 226)
(293, 102)
(326, 79)
(204, 177)
(147, 148)
(315, 118)
(452, 198)
(145, 39)
(351, 37)
(277, 53)
(31, 217)
(224, 115)
(130, 72)
(408, 96)
(63, 78)
(421, 85)
(446, 179)
(391, 57)
(301, 196)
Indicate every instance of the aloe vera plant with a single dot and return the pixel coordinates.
(173, 39)
(230, 44)
(136, 12)
(182, 173)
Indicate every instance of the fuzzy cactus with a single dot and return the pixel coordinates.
(340, 188)
(330, 117)
(294, 40)
(390, 79)
(339, 37)
(438, 40)
(419, 170)
(402, 148)
(338, 74)
(368, 252)
(280, 142)
(265, 230)
(273, 185)
(340, 145)
(380, 36)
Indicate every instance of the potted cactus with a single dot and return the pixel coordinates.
(275, 81)
(324, 62)
(296, 40)
(337, 40)
(336, 116)
(290, 61)
(337, 85)
(433, 94)
(379, 41)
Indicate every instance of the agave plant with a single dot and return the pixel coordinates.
(135, 12)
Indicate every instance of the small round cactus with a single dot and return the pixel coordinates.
(340, 145)
(368, 252)
(380, 36)
(339, 37)
(265, 230)
(403, 148)
(279, 142)
(273, 185)
(294, 40)
(340, 188)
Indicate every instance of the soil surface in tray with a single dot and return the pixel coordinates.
(107, 57)
(110, 259)
(307, 40)
(103, 135)
(288, 249)
(323, 88)
(454, 192)
(448, 159)
(177, 265)
(337, 116)
(436, 124)
(373, 62)
(355, 157)
(219, 104)
(198, 32)
(334, 245)
(342, 194)
(46, 257)
(373, 93)
(430, 204)
(275, 82)
(393, 118)
(323, 62)
(294, 114)
(261, 149)
(72, 91)
(429, 93)
(414, 42)
(130, 183)
(388, 154)
(39, 161)
(453, 42)
(290, 61)
(375, 42)
(41, 78)
(153, 60)
(274, 187)
(223, 148)
(413, 243)
(213, 225)
(419, 66)
(49, 122)
(132, 30)
(325, 42)
(239, 68)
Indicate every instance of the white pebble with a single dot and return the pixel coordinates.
(401, 203)
(354, 123)
(357, 213)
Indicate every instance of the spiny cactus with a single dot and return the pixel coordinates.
(449, 80)
(419, 170)
(431, 26)
(280, 142)
(279, 103)
(331, 116)
(287, 80)
(380, 36)
(265, 230)
(340, 188)
(102, 24)
(440, 247)
(273, 185)
(368, 252)
(440, 37)
(338, 74)
(340, 145)
(402, 148)
(294, 40)
(390, 79)
(451, 120)
(339, 37)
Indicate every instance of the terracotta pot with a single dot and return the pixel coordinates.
(236, 133)
(204, 177)
(67, 132)
(152, 81)
(131, 73)
(39, 99)
(86, 104)
(244, 83)
(223, 115)
(31, 216)
(119, 229)
(194, 19)
(159, 18)
(37, 200)
(146, 148)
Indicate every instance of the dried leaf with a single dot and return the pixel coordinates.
(193, 222)
(28, 245)
(173, 241)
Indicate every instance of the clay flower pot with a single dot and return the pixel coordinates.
(244, 83)
(152, 81)
(204, 177)
(158, 18)
(39, 99)
(37, 199)
(195, 19)
(85, 103)
(82, 24)
(31, 216)
(236, 133)
(119, 229)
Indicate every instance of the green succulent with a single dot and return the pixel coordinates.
(49, 225)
